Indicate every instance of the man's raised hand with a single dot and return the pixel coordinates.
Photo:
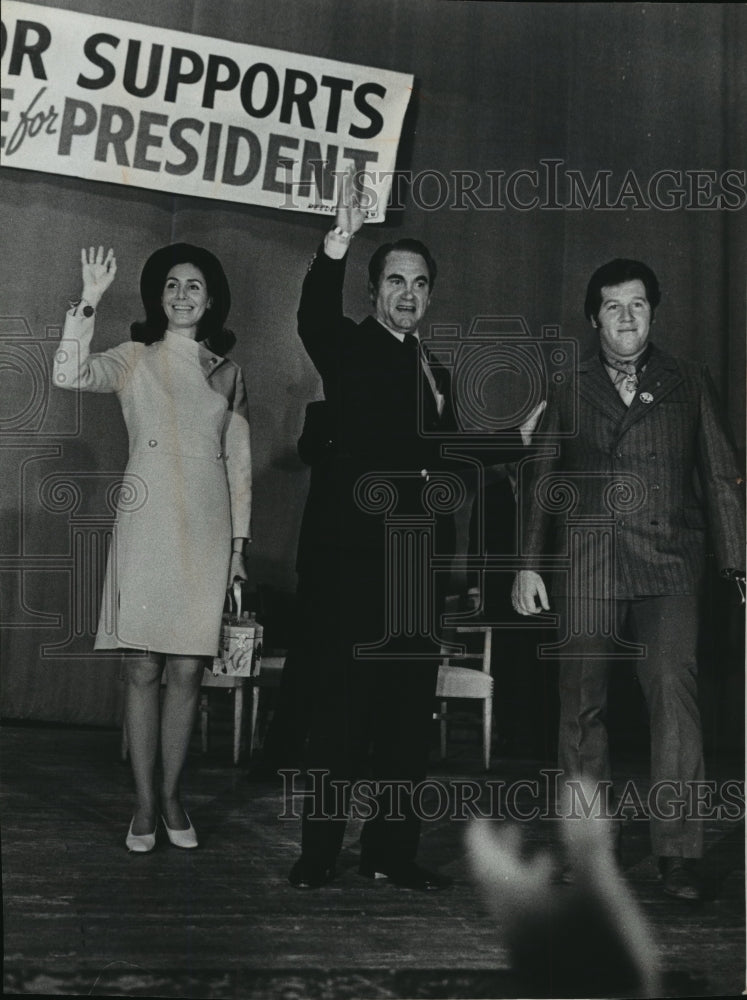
(350, 215)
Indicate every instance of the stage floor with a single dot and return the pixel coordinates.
(84, 917)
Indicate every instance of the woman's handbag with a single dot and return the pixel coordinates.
(240, 649)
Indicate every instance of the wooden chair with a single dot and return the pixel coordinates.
(453, 682)
(237, 685)
(456, 681)
(270, 670)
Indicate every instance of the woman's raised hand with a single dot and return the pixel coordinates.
(350, 215)
(98, 273)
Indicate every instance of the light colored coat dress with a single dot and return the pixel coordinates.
(186, 490)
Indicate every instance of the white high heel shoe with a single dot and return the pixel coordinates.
(186, 839)
(140, 843)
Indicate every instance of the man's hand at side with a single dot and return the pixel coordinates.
(528, 594)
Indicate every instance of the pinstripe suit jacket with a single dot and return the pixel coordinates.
(632, 491)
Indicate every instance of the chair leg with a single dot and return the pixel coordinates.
(442, 729)
(204, 720)
(238, 720)
(487, 725)
(253, 718)
(487, 708)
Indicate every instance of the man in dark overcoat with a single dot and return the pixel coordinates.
(375, 457)
(642, 465)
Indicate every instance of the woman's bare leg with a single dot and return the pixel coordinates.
(142, 694)
(184, 676)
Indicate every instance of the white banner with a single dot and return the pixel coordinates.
(116, 101)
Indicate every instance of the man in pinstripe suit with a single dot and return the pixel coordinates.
(630, 433)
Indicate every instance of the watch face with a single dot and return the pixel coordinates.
(88, 310)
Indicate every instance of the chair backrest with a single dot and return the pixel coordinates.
(463, 682)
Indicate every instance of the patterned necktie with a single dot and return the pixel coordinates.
(625, 375)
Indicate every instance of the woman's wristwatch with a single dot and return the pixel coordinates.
(87, 309)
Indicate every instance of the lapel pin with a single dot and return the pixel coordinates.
(646, 397)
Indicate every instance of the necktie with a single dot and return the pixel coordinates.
(411, 346)
(625, 375)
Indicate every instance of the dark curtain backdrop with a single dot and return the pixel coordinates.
(500, 87)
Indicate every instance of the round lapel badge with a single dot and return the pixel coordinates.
(646, 397)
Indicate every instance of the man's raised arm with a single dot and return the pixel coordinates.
(320, 315)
